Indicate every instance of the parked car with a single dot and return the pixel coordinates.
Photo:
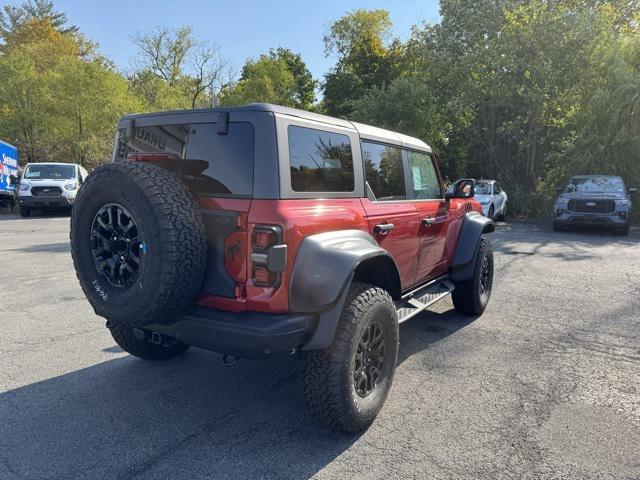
(594, 200)
(8, 174)
(49, 186)
(262, 230)
(492, 198)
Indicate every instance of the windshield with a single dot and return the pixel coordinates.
(50, 172)
(596, 185)
(483, 188)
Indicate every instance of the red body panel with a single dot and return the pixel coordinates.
(402, 241)
(420, 251)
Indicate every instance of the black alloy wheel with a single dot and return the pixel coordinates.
(116, 245)
(369, 359)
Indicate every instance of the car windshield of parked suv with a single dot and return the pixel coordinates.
(483, 188)
(595, 185)
(50, 172)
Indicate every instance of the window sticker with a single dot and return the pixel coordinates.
(417, 176)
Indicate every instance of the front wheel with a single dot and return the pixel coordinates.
(503, 213)
(346, 385)
(491, 212)
(471, 297)
(25, 212)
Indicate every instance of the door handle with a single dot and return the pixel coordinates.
(383, 228)
(427, 221)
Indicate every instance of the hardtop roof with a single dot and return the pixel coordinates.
(365, 131)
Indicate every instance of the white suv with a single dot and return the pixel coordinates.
(49, 186)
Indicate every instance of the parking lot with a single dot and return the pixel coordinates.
(546, 384)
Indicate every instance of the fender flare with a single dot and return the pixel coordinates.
(474, 225)
(322, 273)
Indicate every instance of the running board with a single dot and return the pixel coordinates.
(422, 298)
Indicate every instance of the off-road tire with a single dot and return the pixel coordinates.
(25, 212)
(172, 236)
(491, 212)
(467, 296)
(141, 348)
(328, 378)
(503, 214)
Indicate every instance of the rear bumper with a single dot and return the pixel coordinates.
(46, 202)
(246, 334)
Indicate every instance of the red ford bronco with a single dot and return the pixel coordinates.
(261, 230)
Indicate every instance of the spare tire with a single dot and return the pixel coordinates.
(138, 243)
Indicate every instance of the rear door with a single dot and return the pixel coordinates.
(392, 217)
(426, 192)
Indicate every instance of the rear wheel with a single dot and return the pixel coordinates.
(471, 297)
(346, 385)
(142, 344)
(25, 211)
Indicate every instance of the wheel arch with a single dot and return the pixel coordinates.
(474, 226)
(325, 267)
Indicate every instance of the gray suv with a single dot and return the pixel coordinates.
(594, 200)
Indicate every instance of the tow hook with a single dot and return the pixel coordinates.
(229, 360)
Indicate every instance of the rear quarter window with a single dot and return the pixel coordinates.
(212, 164)
(320, 161)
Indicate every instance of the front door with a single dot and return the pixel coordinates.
(393, 219)
(426, 191)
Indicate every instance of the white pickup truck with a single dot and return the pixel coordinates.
(49, 186)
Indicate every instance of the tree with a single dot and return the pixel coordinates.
(279, 77)
(57, 102)
(13, 18)
(174, 70)
(367, 55)
(305, 86)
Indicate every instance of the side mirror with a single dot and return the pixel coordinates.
(633, 191)
(464, 188)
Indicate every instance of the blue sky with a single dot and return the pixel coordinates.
(241, 28)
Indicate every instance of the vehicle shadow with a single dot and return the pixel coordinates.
(61, 247)
(571, 245)
(190, 417)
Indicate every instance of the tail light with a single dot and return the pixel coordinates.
(268, 255)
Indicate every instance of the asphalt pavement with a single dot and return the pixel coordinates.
(546, 384)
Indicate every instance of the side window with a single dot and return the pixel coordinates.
(424, 179)
(320, 161)
(383, 171)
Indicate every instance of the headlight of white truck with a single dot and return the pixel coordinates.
(24, 187)
(71, 186)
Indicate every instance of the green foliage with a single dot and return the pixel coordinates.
(279, 77)
(368, 57)
(526, 91)
(59, 99)
(13, 18)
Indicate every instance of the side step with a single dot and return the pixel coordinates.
(420, 299)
